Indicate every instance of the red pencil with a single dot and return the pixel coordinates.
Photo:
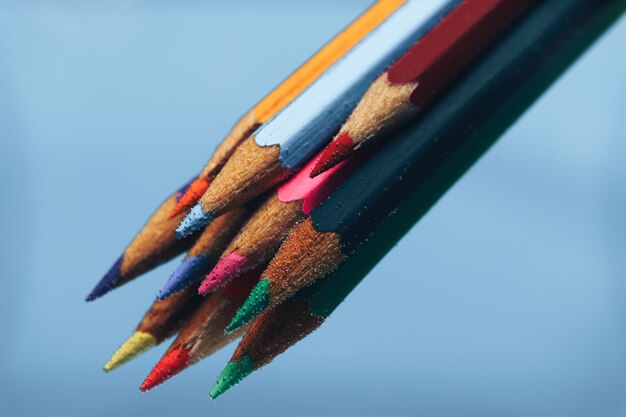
(427, 69)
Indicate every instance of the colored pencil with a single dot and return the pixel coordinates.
(204, 333)
(154, 245)
(575, 24)
(338, 225)
(206, 251)
(280, 146)
(423, 72)
(289, 89)
(163, 319)
(260, 237)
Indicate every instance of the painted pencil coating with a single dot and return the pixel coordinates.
(312, 118)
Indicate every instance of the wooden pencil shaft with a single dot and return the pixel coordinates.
(205, 332)
(284, 326)
(166, 317)
(262, 162)
(304, 257)
(154, 245)
(261, 235)
(220, 232)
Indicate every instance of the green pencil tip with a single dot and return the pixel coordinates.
(234, 372)
(258, 300)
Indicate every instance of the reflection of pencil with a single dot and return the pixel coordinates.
(566, 28)
(261, 236)
(283, 144)
(426, 69)
(154, 245)
(344, 220)
(204, 333)
(284, 93)
(163, 319)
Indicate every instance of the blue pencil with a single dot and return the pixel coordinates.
(285, 142)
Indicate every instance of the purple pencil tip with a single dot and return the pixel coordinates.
(108, 282)
(190, 271)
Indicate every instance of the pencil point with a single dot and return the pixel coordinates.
(232, 374)
(170, 364)
(227, 268)
(258, 301)
(135, 345)
(191, 270)
(107, 283)
(195, 220)
(336, 151)
(190, 196)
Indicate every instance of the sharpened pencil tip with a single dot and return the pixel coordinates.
(170, 364)
(108, 282)
(190, 196)
(227, 268)
(258, 301)
(232, 374)
(190, 271)
(195, 220)
(336, 151)
(135, 345)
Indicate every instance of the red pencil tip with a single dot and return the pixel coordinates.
(227, 268)
(336, 151)
(191, 195)
(170, 364)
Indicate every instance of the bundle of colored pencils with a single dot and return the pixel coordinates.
(316, 183)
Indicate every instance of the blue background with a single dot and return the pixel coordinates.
(510, 292)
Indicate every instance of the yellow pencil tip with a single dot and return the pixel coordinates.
(135, 345)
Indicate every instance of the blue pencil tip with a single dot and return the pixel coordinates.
(195, 220)
(108, 282)
(190, 271)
